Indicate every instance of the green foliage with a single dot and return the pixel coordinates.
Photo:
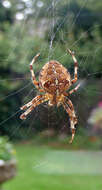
(7, 151)
(6, 17)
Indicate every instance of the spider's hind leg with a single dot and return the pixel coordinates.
(68, 106)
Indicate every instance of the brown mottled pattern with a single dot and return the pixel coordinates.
(50, 72)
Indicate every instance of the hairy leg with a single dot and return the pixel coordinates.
(69, 102)
(35, 82)
(75, 66)
(73, 120)
(35, 103)
(31, 102)
(74, 90)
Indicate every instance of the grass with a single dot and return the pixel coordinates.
(42, 168)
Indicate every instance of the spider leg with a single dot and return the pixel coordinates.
(31, 102)
(73, 120)
(69, 102)
(75, 66)
(33, 105)
(35, 82)
(74, 90)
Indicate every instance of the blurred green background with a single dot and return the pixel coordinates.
(50, 27)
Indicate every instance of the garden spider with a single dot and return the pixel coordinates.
(54, 81)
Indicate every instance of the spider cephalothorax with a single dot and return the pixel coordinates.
(54, 81)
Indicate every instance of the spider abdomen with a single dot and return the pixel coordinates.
(54, 77)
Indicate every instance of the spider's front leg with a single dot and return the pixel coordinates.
(68, 106)
(35, 82)
(74, 89)
(35, 102)
(75, 66)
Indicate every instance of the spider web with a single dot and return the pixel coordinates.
(52, 114)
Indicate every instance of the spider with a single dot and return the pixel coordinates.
(54, 81)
